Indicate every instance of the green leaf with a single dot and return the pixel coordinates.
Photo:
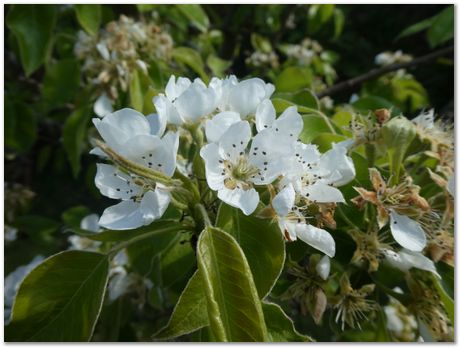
(266, 263)
(73, 136)
(315, 125)
(415, 28)
(20, 126)
(156, 227)
(217, 65)
(72, 217)
(234, 309)
(370, 103)
(260, 43)
(136, 95)
(61, 83)
(192, 59)
(302, 98)
(339, 22)
(318, 15)
(60, 300)
(446, 300)
(196, 15)
(442, 28)
(32, 26)
(89, 17)
(280, 326)
(294, 78)
(281, 104)
(190, 312)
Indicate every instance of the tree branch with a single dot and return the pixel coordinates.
(357, 81)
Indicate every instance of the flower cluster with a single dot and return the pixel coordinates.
(110, 58)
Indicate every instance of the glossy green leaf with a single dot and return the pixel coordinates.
(196, 15)
(234, 309)
(302, 98)
(190, 312)
(249, 231)
(61, 83)
(442, 28)
(60, 300)
(73, 136)
(89, 17)
(280, 326)
(318, 15)
(32, 26)
(282, 104)
(294, 78)
(192, 59)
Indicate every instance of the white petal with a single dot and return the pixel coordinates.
(323, 193)
(157, 123)
(234, 141)
(284, 200)
(289, 124)
(246, 96)
(103, 50)
(317, 238)
(219, 124)
(214, 167)
(175, 89)
(289, 228)
(154, 204)
(122, 216)
(196, 102)
(90, 223)
(151, 152)
(98, 152)
(265, 115)
(166, 110)
(120, 126)
(407, 232)
(425, 119)
(340, 166)
(395, 260)
(418, 260)
(451, 185)
(323, 267)
(102, 105)
(114, 183)
(247, 201)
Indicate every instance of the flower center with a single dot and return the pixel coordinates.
(239, 173)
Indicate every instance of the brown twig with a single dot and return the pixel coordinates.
(357, 81)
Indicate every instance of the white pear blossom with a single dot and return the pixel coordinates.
(242, 97)
(425, 120)
(88, 223)
(314, 175)
(405, 259)
(12, 282)
(294, 225)
(407, 232)
(451, 185)
(233, 171)
(103, 105)
(185, 102)
(126, 124)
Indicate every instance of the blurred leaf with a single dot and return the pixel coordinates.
(20, 126)
(293, 78)
(325, 140)
(190, 312)
(282, 104)
(280, 326)
(217, 65)
(89, 17)
(192, 59)
(32, 26)
(266, 263)
(38, 227)
(155, 228)
(196, 15)
(318, 15)
(416, 28)
(447, 273)
(370, 103)
(55, 305)
(61, 82)
(303, 98)
(339, 22)
(259, 43)
(442, 28)
(72, 217)
(234, 309)
(73, 137)
(314, 125)
(145, 7)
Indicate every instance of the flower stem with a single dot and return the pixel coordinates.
(204, 214)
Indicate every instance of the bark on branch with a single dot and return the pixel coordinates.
(357, 81)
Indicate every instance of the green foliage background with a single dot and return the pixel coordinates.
(47, 127)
